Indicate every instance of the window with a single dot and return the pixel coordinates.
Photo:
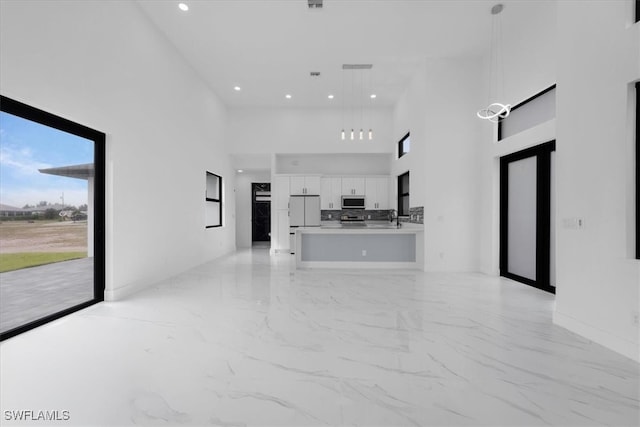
(213, 204)
(404, 145)
(531, 112)
(403, 194)
(52, 188)
(637, 10)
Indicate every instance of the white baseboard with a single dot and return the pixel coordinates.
(124, 291)
(619, 345)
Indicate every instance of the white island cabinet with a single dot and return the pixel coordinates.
(360, 247)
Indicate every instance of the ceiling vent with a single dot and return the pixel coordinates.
(357, 66)
(314, 4)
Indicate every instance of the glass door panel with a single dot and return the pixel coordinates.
(522, 218)
(47, 218)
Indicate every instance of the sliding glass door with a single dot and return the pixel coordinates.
(526, 206)
(51, 217)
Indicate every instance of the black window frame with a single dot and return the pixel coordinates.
(637, 10)
(402, 193)
(217, 200)
(515, 107)
(401, 145)
(637, 168)
(27, 112)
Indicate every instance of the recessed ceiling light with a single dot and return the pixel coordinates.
(237, 88)
(287, 96)
(330, 96)
(373, 96)
(240, 171)
(183, 7)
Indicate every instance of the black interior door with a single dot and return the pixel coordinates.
(526, 217)
(261, 212)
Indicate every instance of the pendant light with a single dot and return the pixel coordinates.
(361, 105)
(354, 102)
(495, 111)
(342, 134)
(371, 97)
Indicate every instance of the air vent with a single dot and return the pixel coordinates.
(314, 4)
(315, 74)
(357, 66)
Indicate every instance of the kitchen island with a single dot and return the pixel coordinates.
(373, 246)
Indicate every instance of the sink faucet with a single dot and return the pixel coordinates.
(393, 214)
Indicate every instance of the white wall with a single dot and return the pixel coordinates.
(302, 130)
(598, 279)
(334, 164)
(103, 65)
(243, 204)
(439, 109)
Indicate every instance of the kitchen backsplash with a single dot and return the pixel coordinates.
(416, 215)
(376, 215)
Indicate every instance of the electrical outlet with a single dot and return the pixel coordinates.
(329, 216)
(364, 252)
(368, 216)
(635, 318)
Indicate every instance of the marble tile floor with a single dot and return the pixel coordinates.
(33, 293)
(248, 341)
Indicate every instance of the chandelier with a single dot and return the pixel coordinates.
(495, 111)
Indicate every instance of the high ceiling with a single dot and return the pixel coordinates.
(269, 47)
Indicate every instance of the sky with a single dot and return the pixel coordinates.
(25, 147)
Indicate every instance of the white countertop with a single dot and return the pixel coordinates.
(382, 227)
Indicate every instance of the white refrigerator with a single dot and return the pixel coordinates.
(304, 211)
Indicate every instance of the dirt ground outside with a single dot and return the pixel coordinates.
(43, 236)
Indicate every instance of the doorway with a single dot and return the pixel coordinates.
(527, 216)
(260, 212)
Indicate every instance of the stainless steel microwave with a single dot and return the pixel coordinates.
(353, 202)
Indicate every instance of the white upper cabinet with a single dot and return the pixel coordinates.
(304, 185)
(377, 193)
(281, 192)
(353, 186)
(330, 193)
(312, 185)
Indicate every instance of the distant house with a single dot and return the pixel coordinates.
(87, 172)
(40, 210)
(11, 211)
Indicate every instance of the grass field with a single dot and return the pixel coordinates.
(27, 244)
(16, 261)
